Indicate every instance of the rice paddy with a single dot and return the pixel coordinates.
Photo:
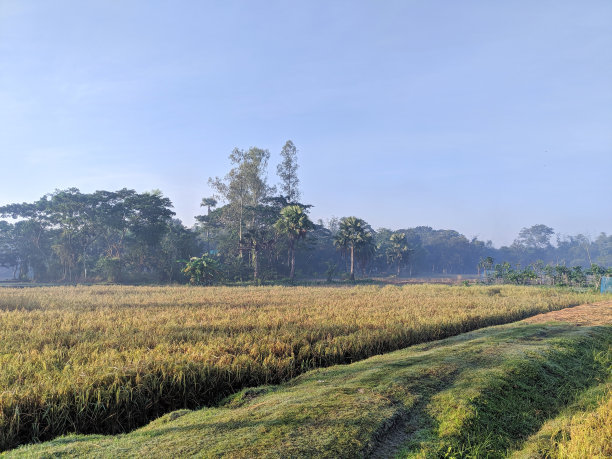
(480, 394)
(107, 359)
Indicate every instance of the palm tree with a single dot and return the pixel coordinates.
(365, 251)
(398, 250)
(208, 203)
(352, 233)
(488, 266)
(294, 223)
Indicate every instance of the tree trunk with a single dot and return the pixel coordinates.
(208, 232)
(292, 251)
(240, 231)
(352, 262)
(255, 264)
(588, 254)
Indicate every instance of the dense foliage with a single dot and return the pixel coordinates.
(109, 358)
(202, 270)
(116, 236)
(540, 274)
(253, 232)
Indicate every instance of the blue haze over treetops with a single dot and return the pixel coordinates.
(476, 116)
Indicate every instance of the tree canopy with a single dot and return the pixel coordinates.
(251, 231)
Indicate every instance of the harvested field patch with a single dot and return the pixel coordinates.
(599, 313)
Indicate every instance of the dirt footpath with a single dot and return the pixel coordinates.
(599, 313)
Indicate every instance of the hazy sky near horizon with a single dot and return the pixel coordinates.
(484, 117)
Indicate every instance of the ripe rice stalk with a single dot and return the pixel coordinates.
(106, 359)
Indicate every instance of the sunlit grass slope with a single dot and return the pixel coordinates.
(584, 429)
(108, 359)
(589, 433)
(481, 393)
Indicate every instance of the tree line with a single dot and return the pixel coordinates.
(249, 231)
(539, 273)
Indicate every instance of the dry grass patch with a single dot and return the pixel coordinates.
(599, 313)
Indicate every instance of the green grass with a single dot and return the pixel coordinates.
(582, 429)
(480, 394)
(108, 359)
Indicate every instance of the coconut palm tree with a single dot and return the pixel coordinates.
(365, 251)
(293, 223)
(352, 233)
(397, 252)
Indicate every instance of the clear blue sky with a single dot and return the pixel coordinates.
(479, 116)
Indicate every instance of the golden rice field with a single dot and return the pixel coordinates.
(108, 358)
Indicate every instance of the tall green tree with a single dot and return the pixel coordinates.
(76, 216)
(352, 233)
(9, 257)
(294, 224)
(486, 263)
(59, 236)
(245, 190)
(287, 171)
(365, 251)
(209, 203)
(31, 238)
(260, 235)
(397, 252)
(177, 243)
(535, 237)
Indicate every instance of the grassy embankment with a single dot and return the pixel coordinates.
(480, 394)
(583, 429)
(108, 359)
